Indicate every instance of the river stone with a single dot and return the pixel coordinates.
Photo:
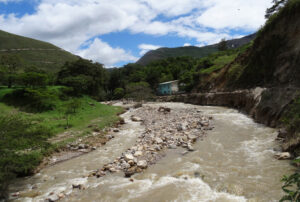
(192, 137)
(172, 146)
(190, 147)
(129, 157)
(125, 165)
(283, 156)
(52, 198)
(142, 164)
(136, 119)
(81, 146)
(138, 153)
(158, 140)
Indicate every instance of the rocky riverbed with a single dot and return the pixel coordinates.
(165, 128)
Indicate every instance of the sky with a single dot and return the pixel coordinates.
(117, 32)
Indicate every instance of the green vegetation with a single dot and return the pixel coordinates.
(291, 186)
(268, 47)
(191, 51)
(291, 118)
(29, 117)
(37, 53)
(83, 77)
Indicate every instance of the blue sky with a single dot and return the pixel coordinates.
(116, 32)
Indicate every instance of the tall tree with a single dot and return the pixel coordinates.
(11, 63)
(277, 4)
(222, 45)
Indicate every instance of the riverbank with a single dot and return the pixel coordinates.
(267, 106)
(157, 151)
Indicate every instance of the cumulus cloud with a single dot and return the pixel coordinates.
(70, 23)
(186, 44)
(147, 47)
(103, 53)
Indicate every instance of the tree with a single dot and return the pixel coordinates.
(34, 79)
(277, 5)
(139, 91)
(222, 46)
(70, 109)
(10, 63)
(84, 77)
(119, 93)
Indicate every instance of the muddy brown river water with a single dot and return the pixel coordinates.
(233, 163)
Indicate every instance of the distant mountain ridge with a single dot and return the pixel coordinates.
(34, 52)
(192, 51)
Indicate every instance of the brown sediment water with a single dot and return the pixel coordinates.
(234, 162)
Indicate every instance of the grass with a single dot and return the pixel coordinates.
(219, 62)
(55, 119)
(48, 60)
(25, 138)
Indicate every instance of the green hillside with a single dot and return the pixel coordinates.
(191, 51)
(34, 52)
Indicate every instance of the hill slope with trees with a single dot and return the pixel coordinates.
(34, 52)
(191, 51)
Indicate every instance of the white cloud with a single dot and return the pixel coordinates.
(70, 23)
(186, 44)
(102, 52)
(147, 47)
(232, 14)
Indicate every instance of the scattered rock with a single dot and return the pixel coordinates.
(190, 148)
(52, 198)
(137, 105)
(142, 164)
(158, 140)
(283, 156)
(122, 121)
(61, 195)
(128, 157)
(181, 128)
(138, 153)
(172, 146)
(116, 130)
(81, 146)
(136, 119)
(282, 133)
(77, 186)
(164, 109)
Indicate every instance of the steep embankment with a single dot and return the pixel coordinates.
(192, 51)
(271, 69)
(34, 52)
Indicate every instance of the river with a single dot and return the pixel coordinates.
(234, 162)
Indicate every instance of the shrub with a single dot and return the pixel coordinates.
(119, 93)
(21, 143)
(32, 100)
(139, 91)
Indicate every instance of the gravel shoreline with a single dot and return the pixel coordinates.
(165, 128)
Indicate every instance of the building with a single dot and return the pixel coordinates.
(168, 88)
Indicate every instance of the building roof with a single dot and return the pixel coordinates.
(169, 82)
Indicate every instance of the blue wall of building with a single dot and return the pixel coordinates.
(165, 89)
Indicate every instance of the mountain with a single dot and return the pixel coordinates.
(34, 52)
(192, 51)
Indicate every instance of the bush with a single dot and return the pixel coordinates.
(119, 93)
(34, 79)
(21, 143)
(291, 118)
(32, 100)
(139, 91)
